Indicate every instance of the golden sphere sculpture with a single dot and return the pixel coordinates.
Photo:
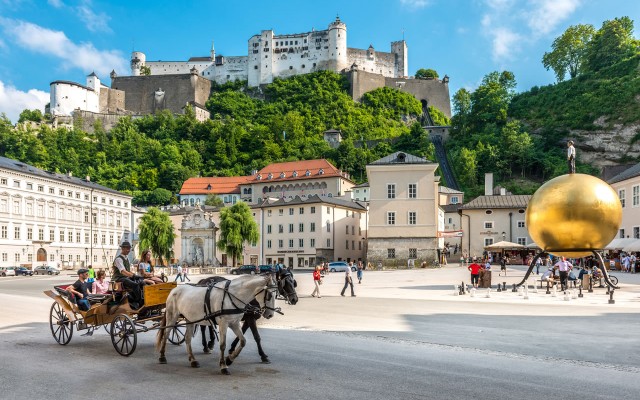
(574, 214)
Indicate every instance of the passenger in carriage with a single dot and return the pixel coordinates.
(100, 285)
(79, 289)
(145, 269)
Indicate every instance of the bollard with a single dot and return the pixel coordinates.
(535, 287)
(504, 286)
(473, 292)
(567, 296)
(580, 292)
(548, 292)
(554, 292)
(462, 285)
(608, 289)
(520, 291)
(590, 285)
(574, 295)
(514, 288)
(456, 290)
(611, 300)
(499, 290)
(488, 293)
(460, 290)
(526, 292)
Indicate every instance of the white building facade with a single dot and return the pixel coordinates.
(272, 56)
(627, 185)
(54, 219)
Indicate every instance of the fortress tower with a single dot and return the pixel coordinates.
(337, 53)
(138, 59)
(399, 49)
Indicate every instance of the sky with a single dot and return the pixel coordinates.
(48, 40)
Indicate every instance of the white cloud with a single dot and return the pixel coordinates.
(547, 14)
(14, 101)
(415, 3)
(505, 44)
(56, 3)
(94, 22)
(55, 43)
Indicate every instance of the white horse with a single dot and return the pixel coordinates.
(225, 302)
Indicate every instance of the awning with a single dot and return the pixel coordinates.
(619, 243)
(633, 246)
(504, 246)
(533, 245)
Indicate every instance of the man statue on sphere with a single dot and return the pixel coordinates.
(571, 157)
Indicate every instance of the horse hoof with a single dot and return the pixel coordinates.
(195, 364)
(162, 360)
(228, 361)
(265, 360)
(210, 345)
(224, 371)
(206, 350)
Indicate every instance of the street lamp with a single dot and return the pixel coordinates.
(504, 236)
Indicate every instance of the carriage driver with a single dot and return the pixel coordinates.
(129, 280)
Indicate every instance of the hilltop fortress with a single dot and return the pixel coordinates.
(158, 85)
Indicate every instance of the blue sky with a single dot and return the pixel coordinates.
(47, 40)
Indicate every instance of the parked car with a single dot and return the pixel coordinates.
(7, 271)
(244, 269)
(23, 271)
(339, 266)
(45, 270)
(266, 268)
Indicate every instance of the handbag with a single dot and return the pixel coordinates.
(320, 282)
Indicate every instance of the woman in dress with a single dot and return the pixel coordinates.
(145, 269)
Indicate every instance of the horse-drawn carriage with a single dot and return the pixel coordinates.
(113, 312)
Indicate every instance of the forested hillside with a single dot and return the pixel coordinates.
(151, 157)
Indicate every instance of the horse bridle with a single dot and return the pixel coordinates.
(281, 279)
(268, 294)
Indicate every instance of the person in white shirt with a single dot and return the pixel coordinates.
(564, 267)
(348, 281)
(571, 157)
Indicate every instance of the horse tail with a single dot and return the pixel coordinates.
(161, 332)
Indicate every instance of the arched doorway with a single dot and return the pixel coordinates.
(41, 255)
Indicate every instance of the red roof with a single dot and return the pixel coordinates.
(214, 185)
(285, 171)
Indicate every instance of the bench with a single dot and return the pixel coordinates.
(570, 283)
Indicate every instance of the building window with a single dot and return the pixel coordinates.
(488, 241)
(16, 207)
(280, 228)
(313, 210)
(391, 253)
(86, 237)
(636, 232)
(347, 230)
(488, 224)
(40, 210)
(41, 234)
(280, 243)
(636, 196)
(391, 191)
(16, 232)
(16, 184)
(522, 241)
(78, 237)
(40, 188)
(269, 244)
(268, 228)
(312, 243)
(412, 217)
(621, 233)
(301, 227)
(290, 228)
(281, 212)
(328, 226)
(52, 234)
(312, 227)
(290, 243)
(328, 210)
(3, 235)
(29, 233)
(4, 182)
(391, 218)
(301, 243)
(413, 253)
(5, 256)
(290, 211)
(520, 224)
(346, 245)
(301, 210)
(268, 213)
(455, 200)
(328, 243)
(621, 194)
(413, 191)
(70, 237)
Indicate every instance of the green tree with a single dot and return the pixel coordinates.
(214, 201)
(427, 74)
(30, 115)
(157, 233)
(569, 51)
(144, 70)
(237, 226)
(612, 43)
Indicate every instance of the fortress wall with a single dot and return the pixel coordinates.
(178, 90)
(87, 120)
(362, 82)
(382, 63)
(111, 100)
(433, 91)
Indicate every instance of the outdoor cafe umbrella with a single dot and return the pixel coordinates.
(504, 246)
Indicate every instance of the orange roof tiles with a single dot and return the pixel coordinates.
(287, 169)
(219, 185)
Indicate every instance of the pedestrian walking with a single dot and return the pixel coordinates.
(359, 271)
(348, 281)
(475, 273)
(179, 274)
(564, 267)
(317, 281)
(185, 273)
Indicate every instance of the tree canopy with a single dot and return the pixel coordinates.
(427, 74)
(569, 51)
(237, 226)
(157, 233)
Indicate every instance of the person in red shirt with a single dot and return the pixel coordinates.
(475, 273)
(317, 280)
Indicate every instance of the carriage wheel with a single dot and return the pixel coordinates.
(176, 335)
(124, 335)
(61, 327)
(613, 280)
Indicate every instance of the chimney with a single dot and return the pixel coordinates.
(87, 178)
(503, 192)
(69, 173)
(488, 184)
